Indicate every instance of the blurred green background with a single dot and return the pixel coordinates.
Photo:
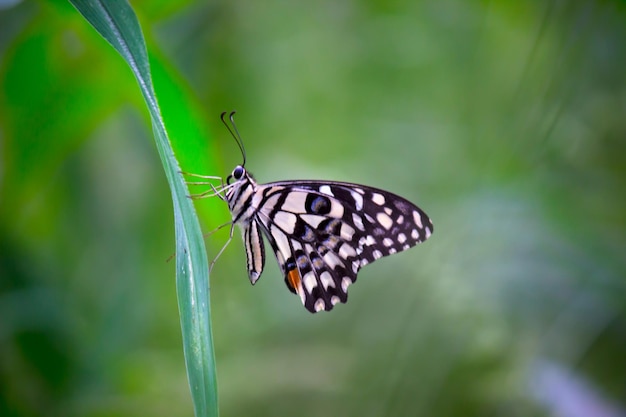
(505, 121)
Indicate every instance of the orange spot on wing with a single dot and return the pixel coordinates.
(294, 279)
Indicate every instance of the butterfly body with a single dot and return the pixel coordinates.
(322, 232)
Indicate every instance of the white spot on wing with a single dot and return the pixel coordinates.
(334, 300)
(319, 305)
(367, 241)
(286, 221)
(401, 238)
(295, 202)
(346, 251)
(384, 220)
(325, 189)
(377, 254)
(387, 242)
(281, 240)
(332, 260)
(336, 210)
(428, 233)
(388, 210)
(312, 220)
(358, 200)
(358, 221)
(415, 234)
(346, 231)
(378, 199)
(418, 219)
(327, 280)
(345, 283)
(309, 282)
(270, 203)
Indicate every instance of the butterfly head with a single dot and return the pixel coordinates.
(237, 175)
(239, 185)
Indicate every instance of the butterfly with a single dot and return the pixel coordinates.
(321, 232)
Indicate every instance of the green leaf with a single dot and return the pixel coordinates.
(117, 23)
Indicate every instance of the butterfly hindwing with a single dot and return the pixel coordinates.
(323, 232)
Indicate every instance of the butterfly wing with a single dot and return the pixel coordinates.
(323, 232)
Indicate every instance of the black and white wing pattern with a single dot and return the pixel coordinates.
(322, 233)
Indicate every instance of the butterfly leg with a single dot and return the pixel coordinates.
(220, 227)
(208, 177)
(210, 193)
(207, 235)
(230, 237)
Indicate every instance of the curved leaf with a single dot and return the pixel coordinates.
(117, 23)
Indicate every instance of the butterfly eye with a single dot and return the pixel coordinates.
(238, 172)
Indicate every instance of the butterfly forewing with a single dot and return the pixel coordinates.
(323, 232)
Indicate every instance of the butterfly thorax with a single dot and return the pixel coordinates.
(241, 195)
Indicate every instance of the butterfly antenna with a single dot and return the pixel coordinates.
(234, 132)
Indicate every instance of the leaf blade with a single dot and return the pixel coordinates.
(117, 23)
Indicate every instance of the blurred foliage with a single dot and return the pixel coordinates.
(503, 120)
